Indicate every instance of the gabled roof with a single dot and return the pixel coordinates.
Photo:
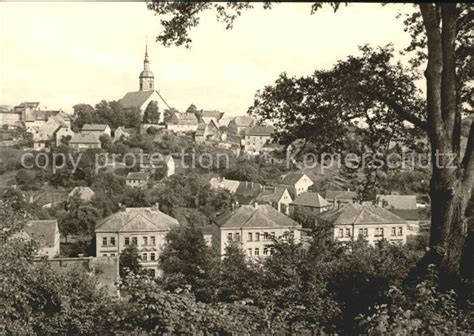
(243, 121)
(212, 114)
(407, 214)
(85, 193)
(137, 219)
(397, 201)
(94, 127)
(137, 176)
(310, 199)
(271, 196)
(340, 195)
(43, 231)
(360, 214)
(260, 131)
(248, 191)
(183, 119)
(292, 178)
(259, 216)
(84, 138)
(136, 98)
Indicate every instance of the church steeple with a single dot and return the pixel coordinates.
(147, 78)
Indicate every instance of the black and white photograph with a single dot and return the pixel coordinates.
(236, 168)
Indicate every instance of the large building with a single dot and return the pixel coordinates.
(145, 228)
(146, 91)
(371, 223)
(253, 226)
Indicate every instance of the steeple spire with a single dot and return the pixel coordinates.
(146, 76)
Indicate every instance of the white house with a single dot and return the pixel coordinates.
(296, 182)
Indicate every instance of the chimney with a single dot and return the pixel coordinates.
(255, 205)
(156, 206)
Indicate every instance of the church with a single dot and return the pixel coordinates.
(146, 93)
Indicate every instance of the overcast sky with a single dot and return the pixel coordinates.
(62, 53)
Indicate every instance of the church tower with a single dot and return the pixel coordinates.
(146, 76)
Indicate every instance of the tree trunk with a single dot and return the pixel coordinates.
(451, 183)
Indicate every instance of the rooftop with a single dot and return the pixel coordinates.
(260, 131)
(271, 195)
(255, 216)
(43, 231)
(360, 214)
(81, 138)
(94, 127)
(137, 176)
(340, 195)
(310, 199)
(397, 201)
(292, 178)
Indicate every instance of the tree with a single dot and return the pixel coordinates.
(152, 113)
(192, 109)
(186, 261)
(129, 261)
(439, 34)
(106, 142)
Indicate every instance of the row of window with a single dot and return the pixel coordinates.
(147, 241)
(144, 256)
(256, 251)
(250, 236)
(364, 232)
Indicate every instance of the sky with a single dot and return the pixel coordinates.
(62, 54)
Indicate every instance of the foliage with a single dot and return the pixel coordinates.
(111, 113)
(129, 261)
(152, 113)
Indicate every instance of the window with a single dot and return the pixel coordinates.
(152, 240)
(250, 236)
(249, 251)
(237, 236)
(145, 240)
(400, 231)
(272, 250)
(112, 241)
(112, 254)
(361, 232)
(104, 255)
(273, 234)
(265, 251)
(394, 231)
(265, 236)
(257, 251)
(341, 233)
(144, 257)
(127, 241)
(348, 232)
(366, 232)
(104, 241)
(257, 236)
(229, 236)
(134, 241)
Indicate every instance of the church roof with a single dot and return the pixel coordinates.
(146, 74)
(136, 98)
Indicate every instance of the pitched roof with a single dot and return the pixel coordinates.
(271, 195)
(340, 195)
(360, 214)
(183, 119)
(222, 183)
(407, 214)
(292, 178)
(243, 121)
(94, 127)
(80, 138)
(137, 176)
(260, 131)
(310, 199)
(212, 114)
(247, 191)
(137, 219)
(201, 129)
(43, 231)
(85, 193)
(259, 216)
(397, 201)
(136, 98)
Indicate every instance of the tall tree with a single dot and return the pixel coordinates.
(152, 113)
(440, 27)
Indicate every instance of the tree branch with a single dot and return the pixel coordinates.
(403, 114)
(468, 160)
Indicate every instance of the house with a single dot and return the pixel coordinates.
(397, 201)
(183, 122)
(208, 116)
(97, 129)
(310, 201)
(150, 163)
(338, 198)
(247, 192)
(146, 228)
(62, 133)
(85, 193)
(8, 116)
(136, 179)
(239, 125)
(253, 226)
(223, 183)
(207, 232)
(46, 233)
(369, 222)
(256, 137)
(121, 133)
(277, 197)
(84, 141)
(296, 182)
(207, 132)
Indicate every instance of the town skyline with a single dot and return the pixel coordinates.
(222, 70)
